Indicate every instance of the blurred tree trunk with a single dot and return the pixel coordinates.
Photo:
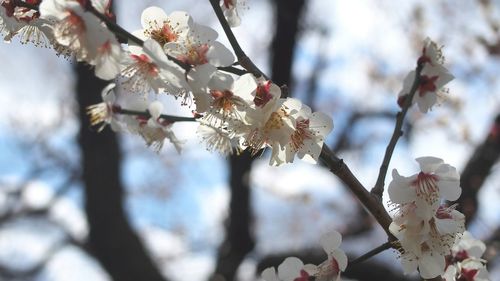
(287, 26)
(477, 170)
(239, 241)
(111, 238)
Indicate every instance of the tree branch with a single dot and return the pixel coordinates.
(146, 114)
(364, 257)
(340, 169)
(244, 61)
(378, 190)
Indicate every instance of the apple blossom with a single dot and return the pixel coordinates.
(230, 9)
(337, 259)
(103, 113)
(465, 263)
(307, 138)
(26, 22)
(293, 269)
(156, 129)
(216, 138)
(425, 243)
(200, 47)
(436, 180)
(148, 68)
(164, 28)
(80, 31)
(271, 125)
(432, 78)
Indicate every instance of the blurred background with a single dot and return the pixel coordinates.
(77, 205)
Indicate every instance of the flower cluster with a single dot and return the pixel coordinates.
(151, 126)
(426, 229)
(174, 55)
(465, 261)
(249, 113)
(433, 77)
(293, 269)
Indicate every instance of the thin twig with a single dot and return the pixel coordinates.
(370, 254)
(244, 61)
(146, 114)
(378, 189)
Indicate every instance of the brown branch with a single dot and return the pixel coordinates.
(366, 256)
(146, 114)
(243, 59)
(378, 189)
(343, 139)
(370, 202)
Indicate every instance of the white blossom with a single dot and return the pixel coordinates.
(433, 77)
(436, 180)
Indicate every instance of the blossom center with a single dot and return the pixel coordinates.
(426, 187)
(222, 100)
(145, 65)
(461, 256)
(304, 276)
(196, 55)
(276, 120)
(427, 84)
(301, 133)
(163, 34)
(467, 274)
(263, 94)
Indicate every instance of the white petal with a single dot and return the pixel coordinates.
(431, 265)
(290, 269)
(221, 81)
(269, 274)
(409, 264)
(245, 86)
(203, 34)
(407, 83)
(341, 259)
(155, 109)
(449, 190)
(400, 190)
(179, 19)
(219, 55)
(330, 241)
(425, 102)
(429, 164)
(321, 123)
(152, 16)
(200, 75)
(202, 101)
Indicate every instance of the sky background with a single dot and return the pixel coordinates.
(178, 202)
